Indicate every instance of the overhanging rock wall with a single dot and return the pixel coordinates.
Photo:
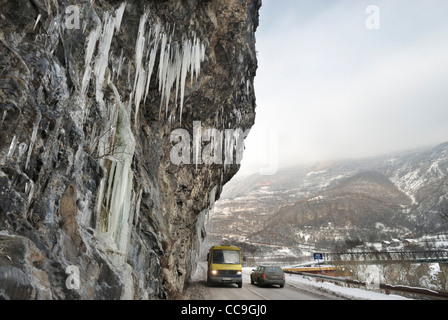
(90, 95)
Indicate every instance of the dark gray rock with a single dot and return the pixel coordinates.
(77, 111)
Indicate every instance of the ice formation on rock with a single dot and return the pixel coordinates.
(175, 61)
(112, 141)
(33, 139)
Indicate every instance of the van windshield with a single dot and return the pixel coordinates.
(226, 256)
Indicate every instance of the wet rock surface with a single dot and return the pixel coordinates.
(91, 204)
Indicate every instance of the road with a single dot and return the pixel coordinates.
(248, 291)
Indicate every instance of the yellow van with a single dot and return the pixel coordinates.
(224, 265)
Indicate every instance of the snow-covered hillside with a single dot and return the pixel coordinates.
(374, 199)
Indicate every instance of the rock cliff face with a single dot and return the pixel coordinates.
(95, 96)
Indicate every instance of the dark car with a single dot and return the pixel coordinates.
(268, 275)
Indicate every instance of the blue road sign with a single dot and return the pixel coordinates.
(318, 256)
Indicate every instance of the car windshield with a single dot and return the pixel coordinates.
(226, 256)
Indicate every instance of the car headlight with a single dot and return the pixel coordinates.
(239, 272)
(214, 272)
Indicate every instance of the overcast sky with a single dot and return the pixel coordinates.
(328, 87)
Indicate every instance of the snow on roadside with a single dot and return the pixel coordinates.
(303, 282)
(310, 284)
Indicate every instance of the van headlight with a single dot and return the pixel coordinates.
(214, 272)
(239, 272)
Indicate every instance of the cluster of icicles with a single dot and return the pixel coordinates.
(117, 202)
(175, 62)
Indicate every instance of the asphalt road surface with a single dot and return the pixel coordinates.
(200, 290)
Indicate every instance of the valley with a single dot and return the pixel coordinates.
(335, 206)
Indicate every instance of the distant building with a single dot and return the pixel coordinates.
(409, 242)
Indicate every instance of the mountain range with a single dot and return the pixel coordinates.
(390, 196)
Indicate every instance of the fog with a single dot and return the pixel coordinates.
(330, 85)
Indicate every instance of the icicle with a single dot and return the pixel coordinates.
(4, 116)
(129, 76)
(29, 190)
(92, 143)
(185, 64)
(171, 77)
(197, 136)
(119, 15)
(178, 69)
(91, 43)
(84, 26)
(140, 74)
(103, 57)
(137, 207)
(120, 64)
(212, 198)
(152, 55)
(161, 61)
(111, 24)
(33, 139)
(140, 90)
(37, 21)
(192, 57)
(12, 147)
(152, 59)
(139, 46)
(114, 203)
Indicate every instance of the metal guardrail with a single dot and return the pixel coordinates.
(439, 294)
(321, 270)
(389, 256)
